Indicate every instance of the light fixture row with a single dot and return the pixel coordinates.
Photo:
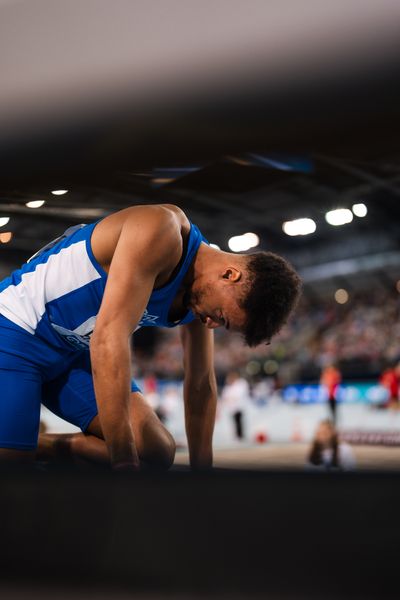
(39, 203)
(337, 217)
(6, 236)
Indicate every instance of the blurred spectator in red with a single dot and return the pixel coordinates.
(330, 379)
(327, 452)
(150, 390)
(390, 379)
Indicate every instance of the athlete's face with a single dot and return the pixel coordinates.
(217, 306)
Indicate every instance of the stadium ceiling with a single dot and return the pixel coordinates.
(241, 122)
(230, 197)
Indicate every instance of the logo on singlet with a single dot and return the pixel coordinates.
(79, 337)
(148, 319)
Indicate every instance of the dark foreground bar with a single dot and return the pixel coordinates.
(230, 534)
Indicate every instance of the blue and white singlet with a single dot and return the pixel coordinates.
(57, 295)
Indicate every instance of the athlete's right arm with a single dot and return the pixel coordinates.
(140, 256)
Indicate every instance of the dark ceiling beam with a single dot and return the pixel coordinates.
(55, 213)
(362, 174)
(214, 202)
(350, 266)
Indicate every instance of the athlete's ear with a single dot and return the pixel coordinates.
(232, 274)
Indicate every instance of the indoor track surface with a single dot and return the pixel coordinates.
(293, 457)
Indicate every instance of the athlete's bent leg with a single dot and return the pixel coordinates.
(67, 447)
(155, 445)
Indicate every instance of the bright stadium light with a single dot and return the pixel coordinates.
(241, 243)
(340, 216)
(360, 210)
(252, 239)
(237, 244)
(35, 203)
(299, 227)
(341, 296)
(4, 221)
(59, 192)
(215, 246)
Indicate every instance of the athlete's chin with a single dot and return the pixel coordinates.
(199, 316)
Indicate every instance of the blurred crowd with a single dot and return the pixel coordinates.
(362, 337)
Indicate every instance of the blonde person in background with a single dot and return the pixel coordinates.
(328, 452)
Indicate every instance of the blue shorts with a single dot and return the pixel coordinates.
(32, 374)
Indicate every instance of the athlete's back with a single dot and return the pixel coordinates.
(57, 295)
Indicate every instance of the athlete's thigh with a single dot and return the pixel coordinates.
(71, 396)
(20, 395)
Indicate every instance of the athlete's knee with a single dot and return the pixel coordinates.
(161, 454)
(169, 450)
(165, 451)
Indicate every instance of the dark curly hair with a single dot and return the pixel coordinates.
(272, 293)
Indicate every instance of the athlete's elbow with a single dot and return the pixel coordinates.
(201, 384)
(98, 343)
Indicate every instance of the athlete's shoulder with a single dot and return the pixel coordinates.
(176, 211)
(157, 229)
(141, 221)
(155, 216)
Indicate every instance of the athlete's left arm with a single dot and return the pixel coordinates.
(200, 392)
